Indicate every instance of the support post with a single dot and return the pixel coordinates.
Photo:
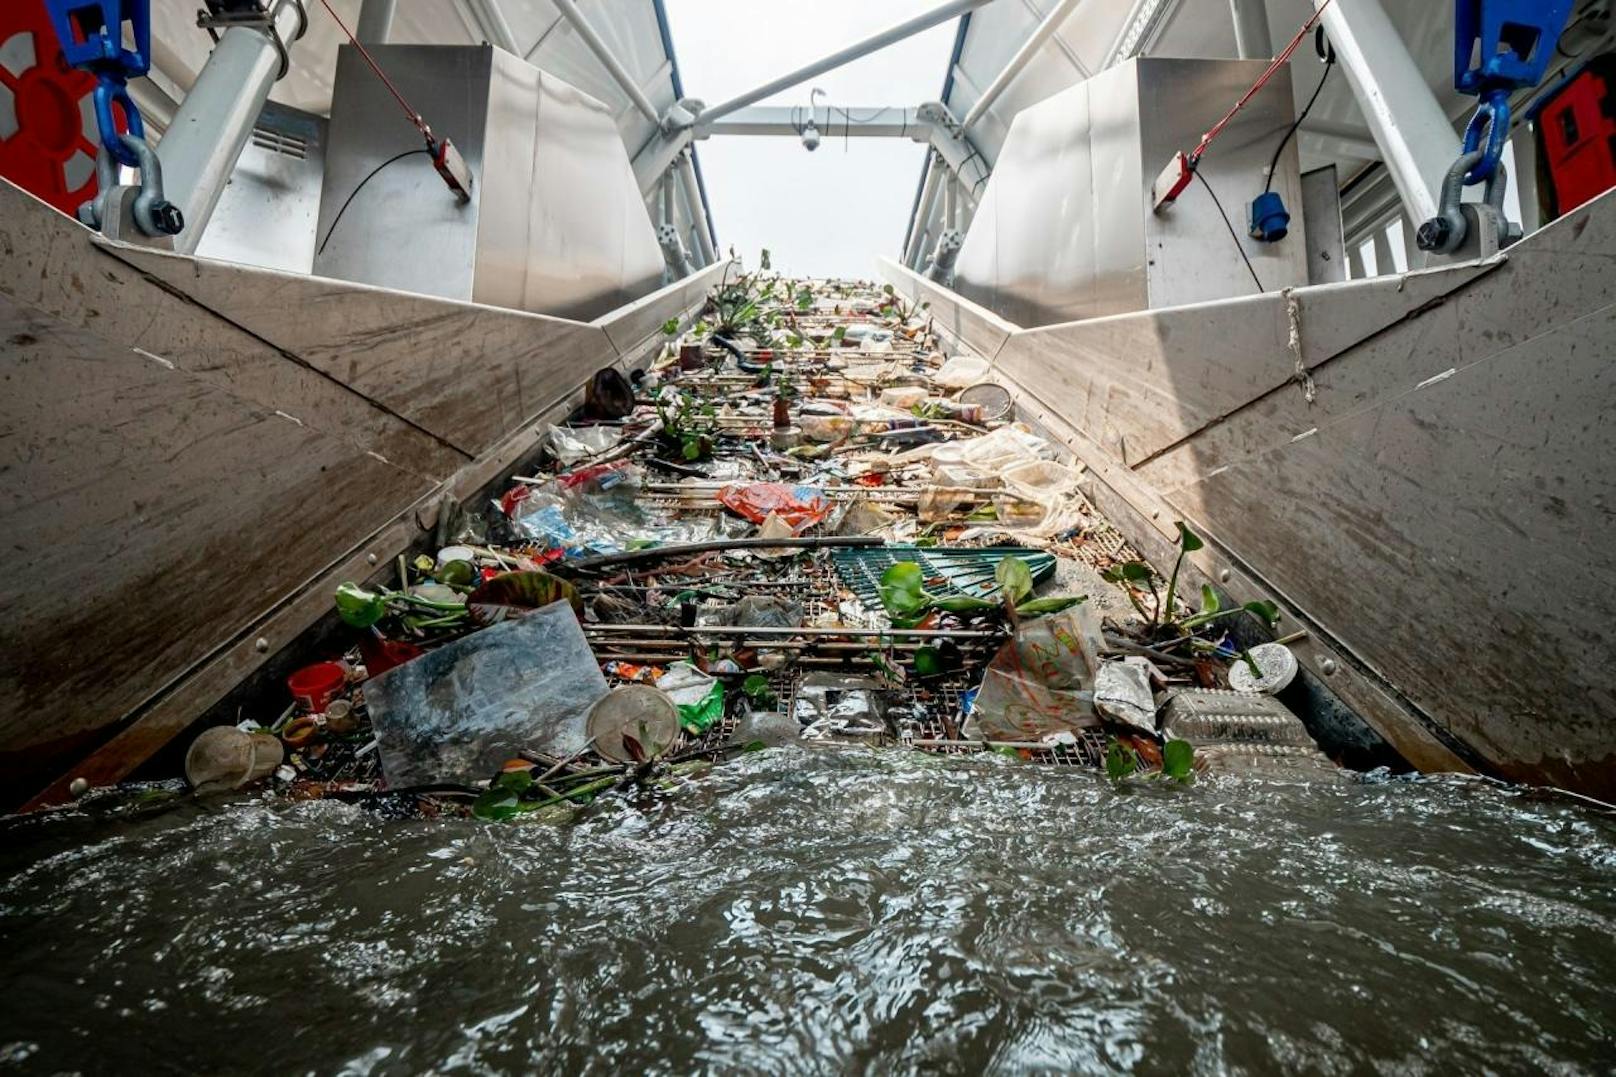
(666, 193)
(375, 21)
(698, 215)
(1252, 39)
(928, 199)
(1029, 48)
(926, 21)
(1415, 138)
(201, 147)
(603, 53)
(951, 202)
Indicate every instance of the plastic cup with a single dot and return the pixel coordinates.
(313, 687)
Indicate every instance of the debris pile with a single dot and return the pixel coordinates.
(805, 522)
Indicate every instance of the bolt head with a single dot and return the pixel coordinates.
(1225, 576)
(78, 786)
(1329, 667)
(1433, 234)
(261, 645)
(371, 558)
(168, 218)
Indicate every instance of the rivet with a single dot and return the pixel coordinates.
(79, 786)
(372, 558)
(1328, 666)
(1225, 576)
(1155, 514)
(260, 644)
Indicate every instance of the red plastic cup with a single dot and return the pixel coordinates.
(314, 686)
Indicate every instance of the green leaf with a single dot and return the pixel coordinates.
(887, 289)
(763, 261)
(903, 589)
(1120, 760)
(1264, 611)
(690, 448)
(963, 604)
(756, 687)
(496, 805)
(1014, 578)
(515, 781)
(1052, 604)
(1178, 760)
(1188, 540)
(1137, 572)
(929, 662)
(1209, 599)
(838, 333)
(805, 299)
(456, 574)
(359, 607)
(671, 327)
(1007, 751)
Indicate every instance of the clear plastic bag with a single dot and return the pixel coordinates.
(1041, 681)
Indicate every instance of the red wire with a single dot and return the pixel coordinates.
(415, 117)
(1278, 62)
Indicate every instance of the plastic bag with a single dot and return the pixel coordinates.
(1042, 681)
(800, 506)
(961, 371)
(700, 698)
(570, 445)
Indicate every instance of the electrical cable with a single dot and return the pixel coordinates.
(1239, 246)
(1300, 119)
(352, 194)
(1273, 67)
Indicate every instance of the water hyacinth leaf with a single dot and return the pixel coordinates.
(359, 607)
(496, 805)
(1264, 611)
(671, 327)
(1188, 540)
(964, 604)
(1120, 760)
(457, 574)
(838, 333)
(903, 589)
(756, 687)
(1178, 760)
(1014, 578)
(1052, 604)
(928, 662)
(514, 781)
(1209, 600)
(512, 593)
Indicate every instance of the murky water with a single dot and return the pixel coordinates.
(824, 911)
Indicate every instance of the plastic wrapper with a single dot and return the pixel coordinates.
(960, 371)
(1041, 681)
(595, 510)
(457, 712)
(700, 698)
(1122, 693)
(570, 445)
(800, 506)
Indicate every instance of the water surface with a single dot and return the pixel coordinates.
(804, 911)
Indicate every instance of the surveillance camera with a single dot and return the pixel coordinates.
(810, 137)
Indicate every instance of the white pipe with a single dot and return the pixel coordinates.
(375, 21)
(1416, 140)
(1029, 48)
(1252, 39)
(928, 199)
(495, 28)
(597, 45)
(913, 26)
(698, 215)
(201, 147)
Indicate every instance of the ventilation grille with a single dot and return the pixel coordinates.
(280, 142)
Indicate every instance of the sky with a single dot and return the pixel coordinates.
(832, 212)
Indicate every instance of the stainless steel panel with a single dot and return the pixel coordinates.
(556, 224)
(1065, 229)
(1321, 209)
(271, 205)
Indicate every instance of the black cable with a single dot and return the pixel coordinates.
(1328, 64)
(347, 201)
(1239, 246)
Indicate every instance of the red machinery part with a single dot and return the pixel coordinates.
(1576, 131)
(48, 134)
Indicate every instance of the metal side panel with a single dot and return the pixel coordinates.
(465, 372)
(186, 486)
(270, 209)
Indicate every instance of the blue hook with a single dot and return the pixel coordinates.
(1493, 116)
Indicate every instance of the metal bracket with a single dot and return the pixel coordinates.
(254, 15)
(153, 214)
(1466, 230)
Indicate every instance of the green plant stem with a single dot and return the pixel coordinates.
(573, 794)
(1172, 583)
